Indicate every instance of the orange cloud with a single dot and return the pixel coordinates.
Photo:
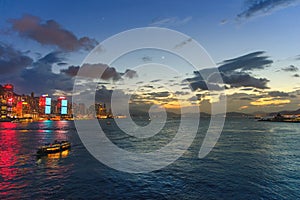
(269, 101)
(243, 107)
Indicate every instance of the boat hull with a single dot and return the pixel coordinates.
(54, 148)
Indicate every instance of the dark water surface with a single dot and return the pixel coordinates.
(252, 160)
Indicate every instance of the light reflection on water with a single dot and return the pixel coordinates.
(252, 160)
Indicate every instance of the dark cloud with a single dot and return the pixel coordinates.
(203, 85)
(41, 79)
(278, 94)
(12, 60)
(296, 75)
(71, 71)
(263, 7)
(156, 80)
(148, 86)
(62, 64)
(159, 94)
(241, 79)
(51, 58)
(246, 62)
(50, 33)
(111, 73)
(185, 88)
(103, 95)
(94, 71)
(147, 59)
(181, 93)
(234, 73)
(291, 68)
(130, 73)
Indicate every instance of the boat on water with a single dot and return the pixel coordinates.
(281, 118)
(53, 148)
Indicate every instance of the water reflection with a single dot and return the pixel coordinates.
(19, 168)
(53, 156)
(9, 148)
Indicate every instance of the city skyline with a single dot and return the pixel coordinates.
(254, 44)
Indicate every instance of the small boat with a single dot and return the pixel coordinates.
(55, 147)
(281, 118)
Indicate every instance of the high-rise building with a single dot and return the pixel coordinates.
(44, 105)
(9, 98)
(62, 106)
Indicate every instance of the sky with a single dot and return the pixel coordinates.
(254, 43)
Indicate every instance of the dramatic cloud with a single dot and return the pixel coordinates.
(71, 71)
(264, 7)
(40, 78)
(296, 75)
(103, 95)
(50, 33)
(159, 94)
(94, 71)
(247, 62)
(242, 79)
(291, 68)
(12, 60)
(196, 83)
(171, 21)
(278, 94)
(234, 72)
(130, 73)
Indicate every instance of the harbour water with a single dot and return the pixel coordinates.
(252, 160)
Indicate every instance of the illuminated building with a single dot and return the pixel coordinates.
(3, 109)
(9, 97)
(44, 105)
(23, 109)
(62, 106)
(100, 110)
(6, 101)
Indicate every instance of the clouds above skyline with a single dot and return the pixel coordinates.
(254, 8)
(50, 33)
(42, 51)
(12, 60)
(248, 62)
(170, 21)
(290, 68)
(236, 73)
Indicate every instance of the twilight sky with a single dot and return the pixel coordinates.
(255, 43)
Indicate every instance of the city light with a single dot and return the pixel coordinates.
(14, 106)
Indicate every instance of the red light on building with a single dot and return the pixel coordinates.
(61, 98)
(42, 101)
(8, 86)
